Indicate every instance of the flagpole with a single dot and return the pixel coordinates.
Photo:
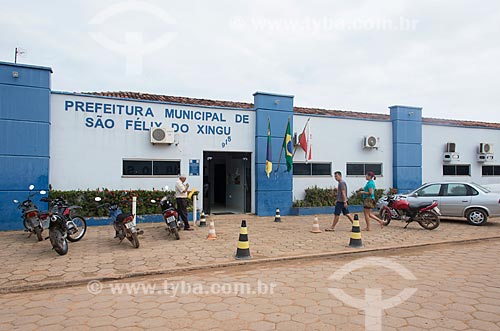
(281, 151)
(279, 161)
(307, 138)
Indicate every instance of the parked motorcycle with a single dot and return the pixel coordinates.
(123, 223)
(31, 220)
(76, 224)
(427, 214)
(58, 232)
(171, 217)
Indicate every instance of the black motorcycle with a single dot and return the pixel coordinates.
(76, 224)
(171, 217)
(123, 223)
(31, 215)
(58, 232)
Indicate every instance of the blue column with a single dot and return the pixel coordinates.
(277, 190)
(407, 147)
(24, 136)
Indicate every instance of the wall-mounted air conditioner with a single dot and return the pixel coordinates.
(450, 148)
(371, 142)
(162, 136)
(485, 157)
(485, 148)
(449, 157)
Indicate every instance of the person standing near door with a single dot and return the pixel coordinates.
(181, 193)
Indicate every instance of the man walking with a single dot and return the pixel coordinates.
(181, 193)
(341, 203)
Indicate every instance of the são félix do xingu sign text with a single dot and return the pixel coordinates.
(109, 116)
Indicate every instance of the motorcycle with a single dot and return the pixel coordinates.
(427, 214)
(171, 217)
(123, 223)
(58, 232)
(31, 220)
(75, 224)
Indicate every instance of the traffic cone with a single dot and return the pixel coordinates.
(315, 228)
(355, 240)
(243, 250)
(211, 231)
(277, 217)
(203, 220)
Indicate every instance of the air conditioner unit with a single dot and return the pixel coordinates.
(162, 136)
(296, 139)
(485, 157)
(448, 157)
(371, 142)
(485, 148)
(450, 147)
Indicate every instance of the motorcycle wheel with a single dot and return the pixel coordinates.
(59, 243)
(428, 220)
(38, 232)
(26, 224)
(385, 217)
(81, 224)
(134, 239)
(175, 231)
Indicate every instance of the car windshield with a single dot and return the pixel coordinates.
(482, 188)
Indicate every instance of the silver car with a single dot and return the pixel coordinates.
(457, 199)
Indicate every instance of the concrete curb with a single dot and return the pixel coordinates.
(350, 251)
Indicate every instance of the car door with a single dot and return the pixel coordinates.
(425, 194)
(456, 197)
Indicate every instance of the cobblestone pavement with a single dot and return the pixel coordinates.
(26, 262)
(457, 288)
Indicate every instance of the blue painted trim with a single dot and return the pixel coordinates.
(276, 191)
(407, 147)
(274, 95)
(303, 211)
(24, 157)
(29, 66)
(153, 218)
(150, 101)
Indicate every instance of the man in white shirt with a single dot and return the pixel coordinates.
(181, 193)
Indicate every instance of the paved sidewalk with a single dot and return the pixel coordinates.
(28, 264)
(456, 289)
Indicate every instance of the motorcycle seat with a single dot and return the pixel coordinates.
(121, 217)
(420, 205)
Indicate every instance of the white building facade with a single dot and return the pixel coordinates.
(103, 140)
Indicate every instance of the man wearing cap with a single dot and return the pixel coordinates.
(181, 192)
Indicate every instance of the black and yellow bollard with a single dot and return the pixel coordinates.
(277, 217)
(203, 220)
(243, 250)
(355, 240)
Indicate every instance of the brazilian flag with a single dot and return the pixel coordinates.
(288, 146)
(269, 156)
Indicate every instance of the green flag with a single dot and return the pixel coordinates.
(288, 146)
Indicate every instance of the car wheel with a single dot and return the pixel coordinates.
(476, 216)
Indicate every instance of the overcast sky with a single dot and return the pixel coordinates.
(350, 55)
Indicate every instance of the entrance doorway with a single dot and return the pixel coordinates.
(226, 182)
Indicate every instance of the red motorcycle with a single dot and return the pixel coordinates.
(426, 214)
(171, 217)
